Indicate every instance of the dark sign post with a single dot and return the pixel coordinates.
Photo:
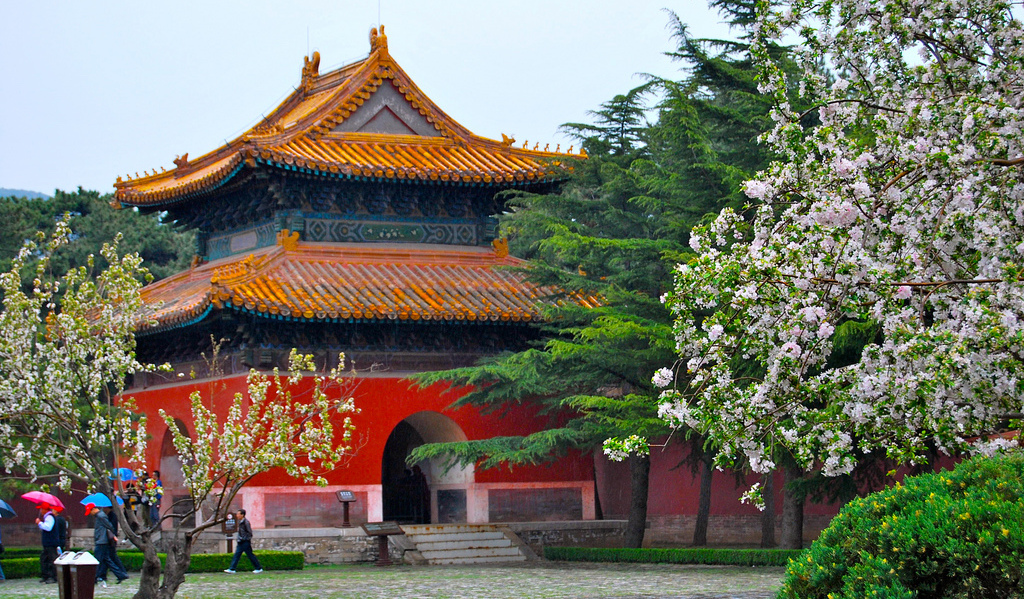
(346, 497)
(229, 526)
(381, 530)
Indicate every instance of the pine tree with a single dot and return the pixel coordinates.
(593, 366)
(614, 232)
(165, 249)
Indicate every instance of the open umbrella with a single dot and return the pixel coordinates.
(122, 474)
(99, 500)
(38, 497)
(6, 511)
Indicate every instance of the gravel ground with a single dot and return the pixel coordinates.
(534, 580)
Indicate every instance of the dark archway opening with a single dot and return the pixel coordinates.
(406, 493)
(428, 492)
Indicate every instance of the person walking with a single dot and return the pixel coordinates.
(154, 491)
(103, 538)
(243, 543)
(114, 558)
(2, 577)
(50, 535)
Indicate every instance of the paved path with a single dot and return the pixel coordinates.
(545, 580)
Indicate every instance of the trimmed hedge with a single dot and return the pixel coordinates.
(949, 535)
(215, 562)
(28, 567)
(20, 567)
(731, 557)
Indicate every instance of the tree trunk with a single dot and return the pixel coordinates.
(179, 556)
(639, 476)
(700, 527)
(768, 515)
(792, 511)
(149, 579)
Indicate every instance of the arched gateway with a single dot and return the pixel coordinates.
(426, 492)
(356, 217)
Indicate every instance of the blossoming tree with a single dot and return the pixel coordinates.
(66, 349)
(898, 204)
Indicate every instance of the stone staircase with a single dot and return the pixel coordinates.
(437, 544)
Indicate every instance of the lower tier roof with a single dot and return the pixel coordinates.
(349, 281)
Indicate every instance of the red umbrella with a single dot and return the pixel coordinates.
(38, 497)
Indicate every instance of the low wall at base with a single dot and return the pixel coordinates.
(350, 545)
(723, 531)
(323, 545)
(578, 533)
(319, 545)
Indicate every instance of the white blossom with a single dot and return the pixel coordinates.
(663, 377)
(901, 211)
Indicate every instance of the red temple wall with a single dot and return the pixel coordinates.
(383, 402)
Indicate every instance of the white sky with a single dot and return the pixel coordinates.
(93, 90)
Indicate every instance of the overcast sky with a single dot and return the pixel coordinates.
(94, 90)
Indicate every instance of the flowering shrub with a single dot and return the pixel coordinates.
(900, 206)
(66, 349)
(617, 450)
(956, 534)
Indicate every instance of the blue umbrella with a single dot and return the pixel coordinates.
(6, 511)
(122, 474)
(99, 500)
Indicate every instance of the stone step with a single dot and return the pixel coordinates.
(463, 544)
(441, 537)
(478, 560)
(414, 529)
(477, 552)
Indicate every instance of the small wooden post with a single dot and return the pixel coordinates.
(345, 497)
(381, 530)
(229, 526)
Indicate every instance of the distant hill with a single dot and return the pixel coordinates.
(21, 193)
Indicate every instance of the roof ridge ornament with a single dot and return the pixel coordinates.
(378, 42)
(500, 246)
(289, 240)
(182, 164)
(310, 71)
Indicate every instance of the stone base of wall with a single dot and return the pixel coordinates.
(319, 545)
(350, 545)
(324, 545)
(575, 533)
(723, 531)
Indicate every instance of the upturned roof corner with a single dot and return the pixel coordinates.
(366, 120)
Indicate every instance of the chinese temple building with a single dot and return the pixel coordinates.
(356, 217)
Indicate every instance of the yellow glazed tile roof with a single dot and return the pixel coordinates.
(370, 282)
(307, 132)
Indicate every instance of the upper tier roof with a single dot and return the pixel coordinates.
(324, 282)
(364, 120)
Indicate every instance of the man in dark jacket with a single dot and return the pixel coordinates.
(112, 518)
(50, 534)
(2, 577)
(103, 537)
(244, 543)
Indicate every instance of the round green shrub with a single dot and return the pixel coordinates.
(957, 534)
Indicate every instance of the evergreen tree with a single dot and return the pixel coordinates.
(612, 235)
(592, 369)
(164, 248)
